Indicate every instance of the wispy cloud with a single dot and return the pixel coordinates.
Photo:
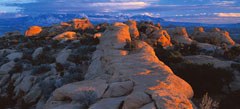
(228, 14)
(224, 3)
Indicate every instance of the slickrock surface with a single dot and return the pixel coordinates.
(121, 79)
(216, 34)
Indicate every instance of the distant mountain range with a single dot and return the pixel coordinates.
(22, 23)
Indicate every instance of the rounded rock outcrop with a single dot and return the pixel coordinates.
(133, 28)
(69, 35)
(139, 74)
(82, 24)
(33, 31)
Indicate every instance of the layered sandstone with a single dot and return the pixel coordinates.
(122, 79)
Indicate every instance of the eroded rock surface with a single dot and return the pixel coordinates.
(141, 77)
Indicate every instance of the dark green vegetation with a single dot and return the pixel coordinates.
(204, 78)
(232, 53)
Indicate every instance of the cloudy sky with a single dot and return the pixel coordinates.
(205, 11)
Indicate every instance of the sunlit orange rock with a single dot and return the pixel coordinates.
(199, 29)
(82, 24)
(69, 35)
(133, 28)
(162, 37)
(97, 35)
(33, 31)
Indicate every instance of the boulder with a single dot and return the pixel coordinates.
(133, 28)
(216, 34)
(119, 89)
(6, 68)
(82, 24)
(74, 90)
(33, 94)
(16, 55)
(37, 52)
(149, 106)
(63, 56)
(33, 31)
(162, 37)
(27, 83)
(108, 103)
(136, 100)
(6, 51)
(4, 79)
(180, 35)
(69, 35)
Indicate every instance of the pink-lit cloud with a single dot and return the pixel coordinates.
(228, 14)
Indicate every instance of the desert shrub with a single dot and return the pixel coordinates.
(81, 54)
(130, 45)
(231, 101)
(43, 68)
(186, 49)
(232, 53)
(168, 56)
(236, 66)
(59, 67)
(208, 103)
(3, 60)
(210, 40)
(18, 68)
(88, 40)
(102, 27)
(204, 78)
(44, 58)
